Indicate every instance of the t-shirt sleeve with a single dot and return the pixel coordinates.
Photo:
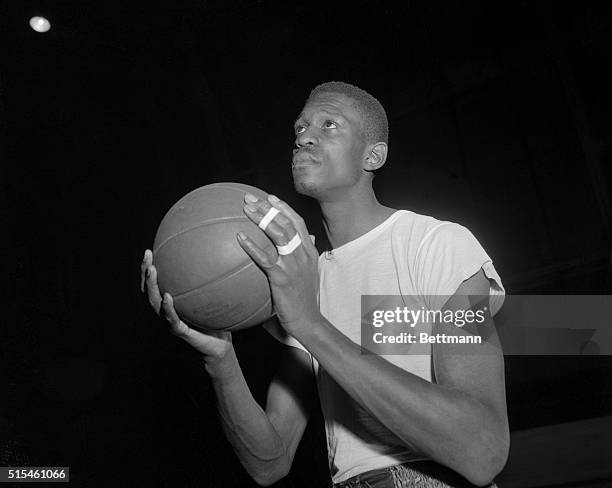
(448, 255)
(273, 327)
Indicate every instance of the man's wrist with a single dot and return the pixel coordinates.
(221, 368)
(304, 325)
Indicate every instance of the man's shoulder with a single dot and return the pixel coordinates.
(419, 227)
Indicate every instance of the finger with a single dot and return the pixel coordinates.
(146, 262)
(297, 221)
(280, 229)
(177, 327)
(292, 215)
(152, 288)
(260, 208)
(260, 257)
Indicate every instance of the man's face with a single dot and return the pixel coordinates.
(329, 147)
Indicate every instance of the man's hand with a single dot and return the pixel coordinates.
(294, 278)
(214, 345)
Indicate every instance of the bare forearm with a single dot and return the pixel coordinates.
(448, 425)
(246, 425)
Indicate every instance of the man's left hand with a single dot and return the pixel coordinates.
(293, 277)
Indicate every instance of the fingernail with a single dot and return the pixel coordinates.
(273, 198)
(250, 198)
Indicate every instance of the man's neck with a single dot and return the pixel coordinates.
(347, 219)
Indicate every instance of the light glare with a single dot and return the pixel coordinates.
(40, 24)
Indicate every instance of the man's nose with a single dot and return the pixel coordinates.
(305, 138)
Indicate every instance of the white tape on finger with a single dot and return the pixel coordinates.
(273, 212)
(290, 246)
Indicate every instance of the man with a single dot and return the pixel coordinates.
(433, 419)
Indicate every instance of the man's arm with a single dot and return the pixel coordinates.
(478, 372)
(265, 441)
(460, 421)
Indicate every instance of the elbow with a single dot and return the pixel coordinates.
(270, 475)
(482, 477)
(269, 478)
(490, 461)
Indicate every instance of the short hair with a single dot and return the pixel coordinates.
(374, 121)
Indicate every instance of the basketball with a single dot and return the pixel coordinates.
(214, 284)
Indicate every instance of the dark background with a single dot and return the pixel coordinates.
(500, 119)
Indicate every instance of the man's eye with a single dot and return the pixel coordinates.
(299, 129)
(329, 124)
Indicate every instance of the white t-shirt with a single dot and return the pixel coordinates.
(408, 255)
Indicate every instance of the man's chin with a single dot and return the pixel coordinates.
(306, 187)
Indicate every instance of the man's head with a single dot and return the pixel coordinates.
(340, 139)
(374, 123)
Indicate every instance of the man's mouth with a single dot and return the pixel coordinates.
(303, 159)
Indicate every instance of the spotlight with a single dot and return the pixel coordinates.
(40, 24)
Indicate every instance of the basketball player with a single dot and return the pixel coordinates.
(435, 419)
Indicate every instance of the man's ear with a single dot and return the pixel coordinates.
(376, 156)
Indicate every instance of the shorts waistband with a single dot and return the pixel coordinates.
(415, 474)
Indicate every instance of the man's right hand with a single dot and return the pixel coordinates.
(214, 345)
